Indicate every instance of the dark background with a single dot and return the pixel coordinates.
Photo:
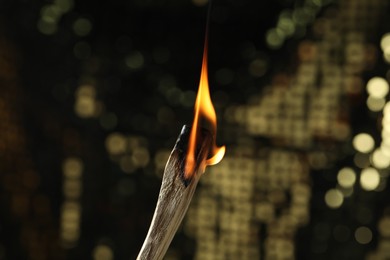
(48, 73)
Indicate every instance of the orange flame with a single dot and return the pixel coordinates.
(203, 108)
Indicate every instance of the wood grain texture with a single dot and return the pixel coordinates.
(174, 197)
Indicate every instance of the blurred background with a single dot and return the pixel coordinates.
(94, 94)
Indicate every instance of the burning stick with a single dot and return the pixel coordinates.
(187, 162)
(175, 196)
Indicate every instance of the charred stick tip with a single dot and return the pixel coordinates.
(203, 147)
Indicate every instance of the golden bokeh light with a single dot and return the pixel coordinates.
(140, 156)
(70, 223)
(386, 54)
(377, 87)
(363, 143)
(102, 252)
(369, 179)
(375, 104)
(385, 134)
(384, 226)
(386, 109)
(346, 177)
(379, 159)
(334, 198)
(385, 147)
(72, 167)
(116, 143)
(86, 91)
(385, 41)
(86, 105)
(72, 189)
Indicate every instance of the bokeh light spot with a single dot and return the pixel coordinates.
(287, 25)
(385, 41)
(85, 107)
(363, 143)
(377, 87)
(363, 235)
(102, 252)
(369, 179)
(346, 177)
(140, 156)
(334, 198)
(386, 54)
(384, 226)
(375, 104)
(379, 159)
(116, 143)
(274, 39)
(72, 167)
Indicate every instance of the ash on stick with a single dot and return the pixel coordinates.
(175, 195)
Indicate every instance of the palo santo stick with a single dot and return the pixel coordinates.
(175, 196)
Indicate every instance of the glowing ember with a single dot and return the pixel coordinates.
(204, 109)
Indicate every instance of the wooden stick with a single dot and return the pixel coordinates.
(175, 196)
